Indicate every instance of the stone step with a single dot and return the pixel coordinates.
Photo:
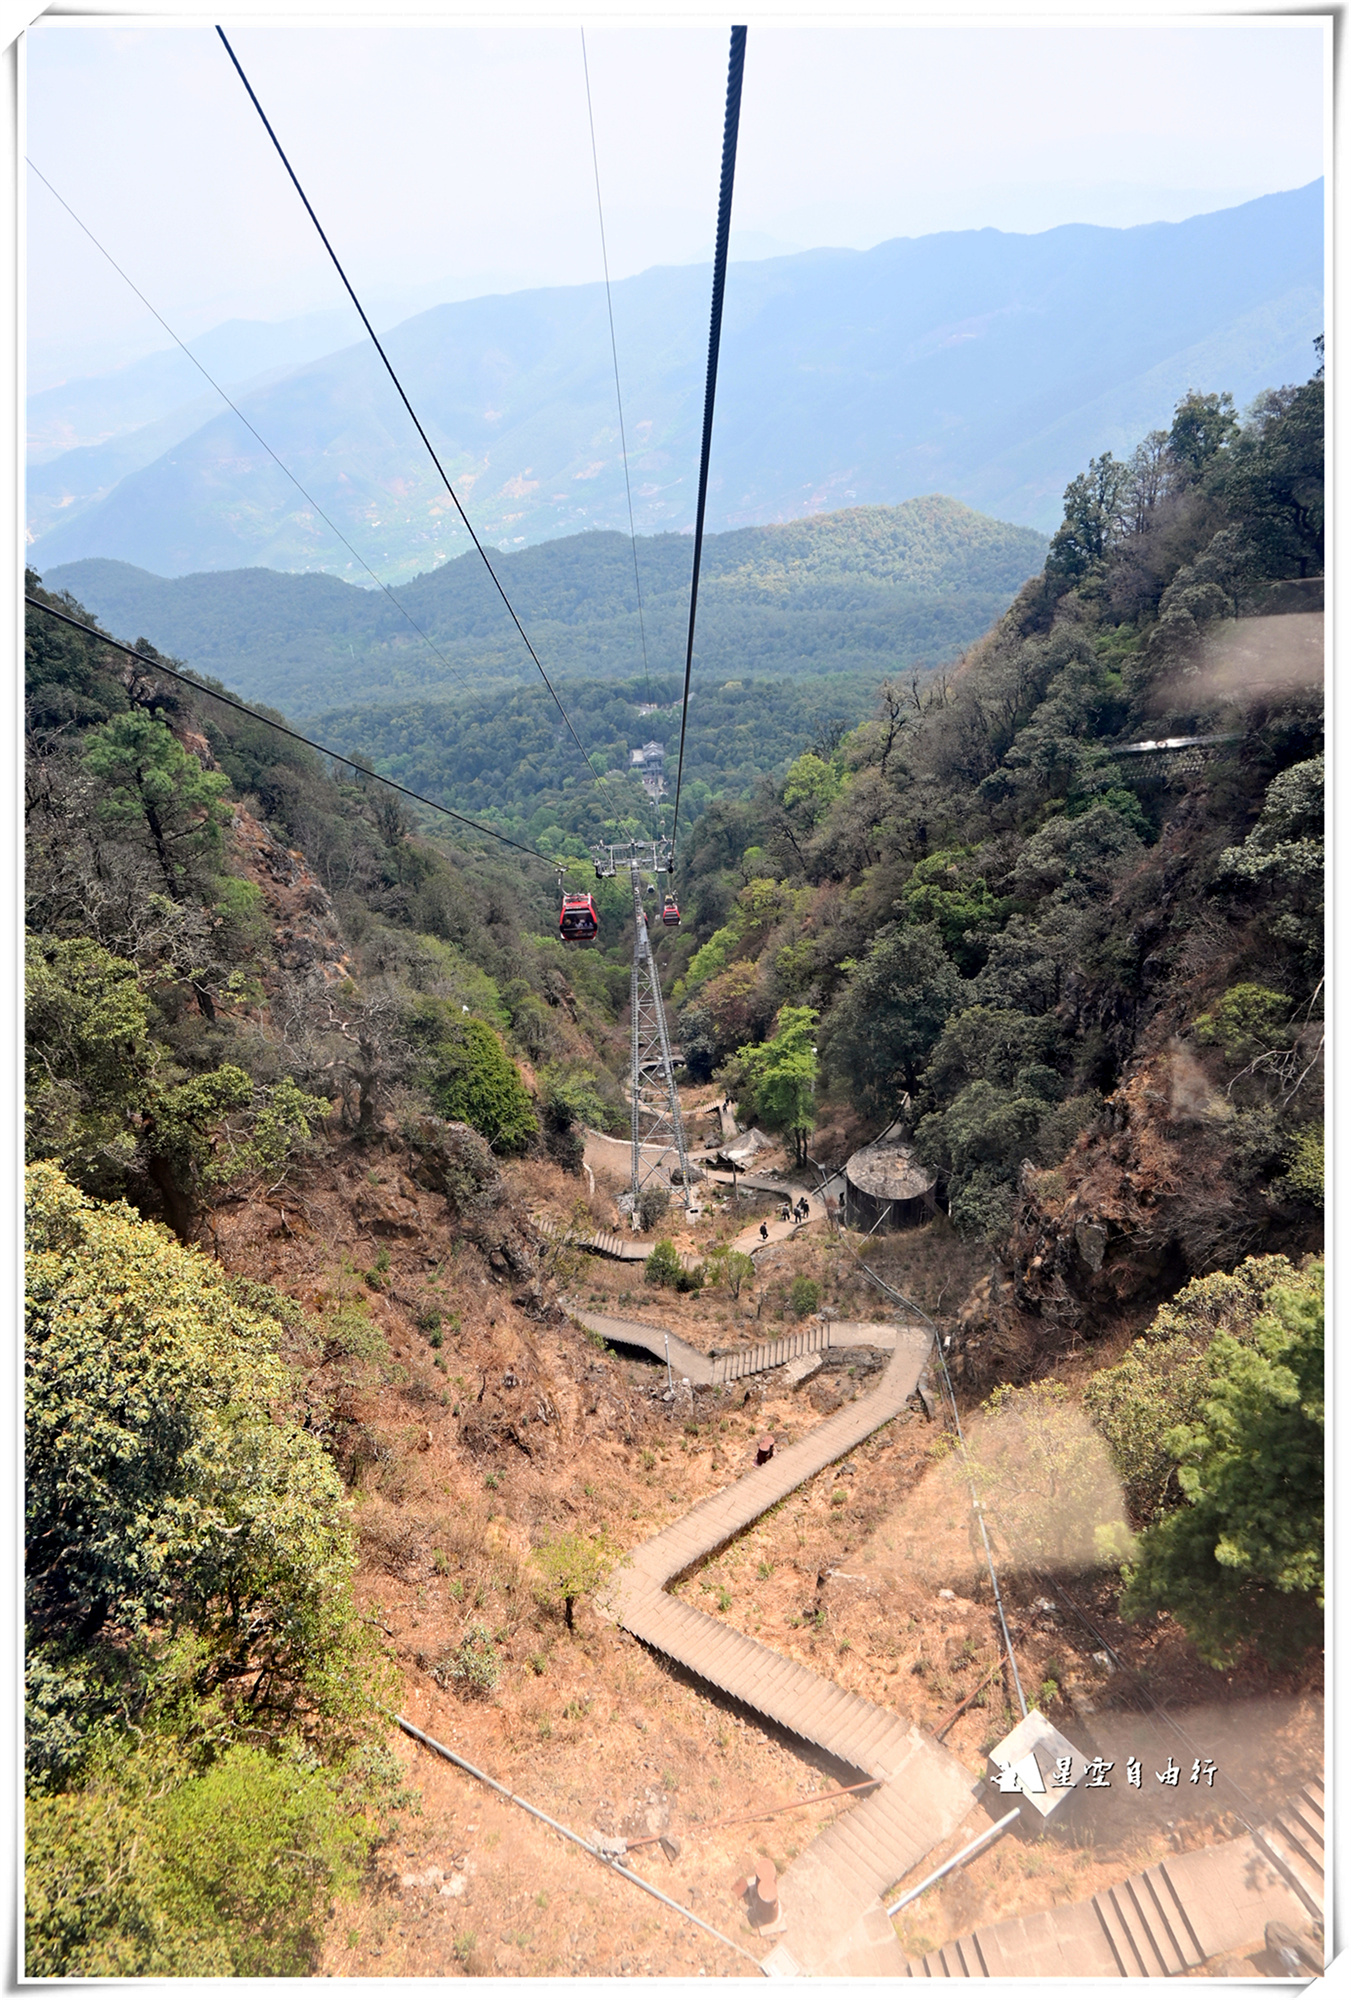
(1309, 1823)
(1152, 1925)
(1293, 1860)
(1188, 1943)
(1118, 1936)
(1163, 1922)
(880, 1838)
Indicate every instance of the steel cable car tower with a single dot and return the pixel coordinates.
(655, 1105)
(656, 1120)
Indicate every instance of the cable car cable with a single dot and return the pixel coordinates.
(614, 353)
(225, 398)
(732, 118)
(403, 397)
(229, 701)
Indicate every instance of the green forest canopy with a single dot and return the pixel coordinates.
(968, 889)
(865, 590)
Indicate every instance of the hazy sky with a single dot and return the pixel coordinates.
(448, 159)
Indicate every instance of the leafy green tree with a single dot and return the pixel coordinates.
(1077, 858)
(569, 1099)
(663, 1265)
(700, 1044)
(197, 1150)
(1279, 867)
(981, 1139)
(147, 1870)
(106, 1100)
(153, 789)
(804, 1295)
(811, 787)
(163, 1495)
(1241, 1561)
(573, 1095)
(987, 1044)
(884, 1027)
(1243, 1020)
(90, 1060)
(1272, 477)
(1093, 517)
(575, 1564)
(1285, 848)
(68, 680)
(1150, 469)
(1304, 1166)
(1162, 1380)
(471, 1077)
(1202, 426)
(942, 891)
(778, 1078)
(735, 1002)
(731, 1268)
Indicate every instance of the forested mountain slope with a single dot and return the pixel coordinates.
(868, 590)
(979, 364)
(1089, 982)
(295, 1070)
(264, 1025)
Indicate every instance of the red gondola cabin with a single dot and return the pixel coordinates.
(670, 912)
(578, 922)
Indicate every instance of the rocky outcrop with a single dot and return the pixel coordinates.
(1144, 1202)
(306, 935)
(453, 1160)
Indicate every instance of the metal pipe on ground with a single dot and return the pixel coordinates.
(463, 1764)
(972, 1847)
(739, 1819)
(962, 1706)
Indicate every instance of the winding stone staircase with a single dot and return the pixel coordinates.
(1166, 1921)
(829, 1896)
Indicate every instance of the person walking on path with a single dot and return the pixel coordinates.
(764, 1232)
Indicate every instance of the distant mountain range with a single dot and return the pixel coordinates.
(867, 590)
(983, 365)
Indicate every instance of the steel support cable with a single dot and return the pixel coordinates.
(1251, 1822)
(1142, 1684)
(614, 355)
(1139, 1679)
(597, 1854)
(1078, 1611)
(977, 1509)
(591, 771)
(731, 120)
(242, 707)
(251, 428)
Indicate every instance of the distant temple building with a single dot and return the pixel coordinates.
(647, 764)
(885, 1187)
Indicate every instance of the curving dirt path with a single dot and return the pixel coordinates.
(831, 1917)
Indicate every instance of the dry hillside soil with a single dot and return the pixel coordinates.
(464, 1456)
